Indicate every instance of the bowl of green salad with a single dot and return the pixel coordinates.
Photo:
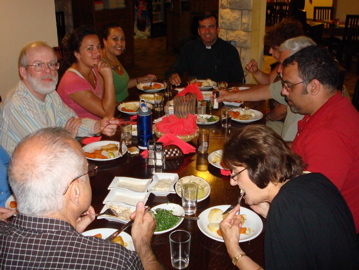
(206, 119)
(164, 216)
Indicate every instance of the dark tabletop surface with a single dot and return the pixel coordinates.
(205, 252)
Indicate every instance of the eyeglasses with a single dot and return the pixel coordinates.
(236, 174)
(289, 86)
(91, 172)
(40, 66)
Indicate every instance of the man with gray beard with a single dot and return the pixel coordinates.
(34, 103)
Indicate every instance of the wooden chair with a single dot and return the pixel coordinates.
(323, 14)
(355, 100)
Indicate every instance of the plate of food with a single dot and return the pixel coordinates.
(134, 184)
(237, 88)
(151, 87)
(215, 159)
(165, 221)
(204, 189)
(124, 239)
(163, 184)
(245, 115)
(11, 202)
(210, 218)
(131, 107)
(119, 195)
(206, 95)
(104, 150)
(150, 98)
(122, 212)
(206, 84)
(207, 119)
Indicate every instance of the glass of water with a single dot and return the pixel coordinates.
(180, 245)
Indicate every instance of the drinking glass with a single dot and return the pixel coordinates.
(126, 132)
(226, 118)
(189, 193)
(180, 246)
(158, 101)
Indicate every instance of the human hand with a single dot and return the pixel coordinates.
(175, 79)
(104, 69)
(230, 229)
(148, 78)
(225, 95)
(72, 125)
(85, 219)
(109, 124)
(5, 213)
(261, 209)
(142, 228)
(252, 66)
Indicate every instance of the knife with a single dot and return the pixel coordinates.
(124, 227)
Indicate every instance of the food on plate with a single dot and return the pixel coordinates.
(204, 119)
(162, 185)
(164, 219)
(129, 107)
(99, 235)
(206, 83)
(194, 179)
(13, 204)
(152, 86)
(133, 150)
(217, 158)
(242, 114)
(215, 216)
(105, 152)
(122, 212)
(119, 240)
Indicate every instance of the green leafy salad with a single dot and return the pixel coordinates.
(164, 219)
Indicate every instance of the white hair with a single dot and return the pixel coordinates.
(296, 44)
(42, 166)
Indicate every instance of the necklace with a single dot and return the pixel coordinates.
(116, 67)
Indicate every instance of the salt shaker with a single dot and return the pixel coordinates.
(159, 154)
(151, 154)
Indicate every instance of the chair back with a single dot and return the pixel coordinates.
(351, 30)
(323, 14)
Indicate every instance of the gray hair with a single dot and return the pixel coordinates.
(32, 45)
(42, 166)
(296, 44)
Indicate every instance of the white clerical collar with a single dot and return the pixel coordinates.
(208, 47)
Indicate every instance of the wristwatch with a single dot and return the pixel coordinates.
(235, 259)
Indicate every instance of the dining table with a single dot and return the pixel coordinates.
(205, 253)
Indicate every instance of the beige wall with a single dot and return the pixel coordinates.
(309, 8)
(22, 21)
(346, 7)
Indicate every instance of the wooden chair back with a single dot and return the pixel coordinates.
(323, 14)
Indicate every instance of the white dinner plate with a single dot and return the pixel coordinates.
(257, 116)
(236, 88)
(215, 158)
(204, 189)
(235, 103)
(160, 176)
(176, 210)
(150, 98)
(106, 232)
(8, 201)
(205, 117)
(131, 209)
(140, 87)
(134, 184)
(133, 105)
(97, 145)
(119, 195)
(214, 84)
(252, 223)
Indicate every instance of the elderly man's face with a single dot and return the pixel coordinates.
(294, 90)
(43, 82)
(208, 31)
(282, 56)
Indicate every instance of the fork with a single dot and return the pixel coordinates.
(98, 134)
(229, 209)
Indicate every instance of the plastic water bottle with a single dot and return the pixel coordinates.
(144, 125)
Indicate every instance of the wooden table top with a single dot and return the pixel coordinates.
(205, 252)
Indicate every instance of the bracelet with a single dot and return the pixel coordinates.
(235, 259)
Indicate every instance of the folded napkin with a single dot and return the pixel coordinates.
(89, 140)
(225, 172)
(191, 88)
(133, 117)
(178, 126)
(170, 139)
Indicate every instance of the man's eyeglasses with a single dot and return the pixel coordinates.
(91, 172)
(289, 86)
(236, 174)
(40, 66)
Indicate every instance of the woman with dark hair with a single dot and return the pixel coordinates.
(308, 223)
(87, 85)
(114, 44)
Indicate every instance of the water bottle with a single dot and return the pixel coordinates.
(144, 125)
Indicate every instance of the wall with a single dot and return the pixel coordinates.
(22, 21)
(346, 7)
(309, 8)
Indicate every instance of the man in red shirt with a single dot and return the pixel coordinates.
(328, 135)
